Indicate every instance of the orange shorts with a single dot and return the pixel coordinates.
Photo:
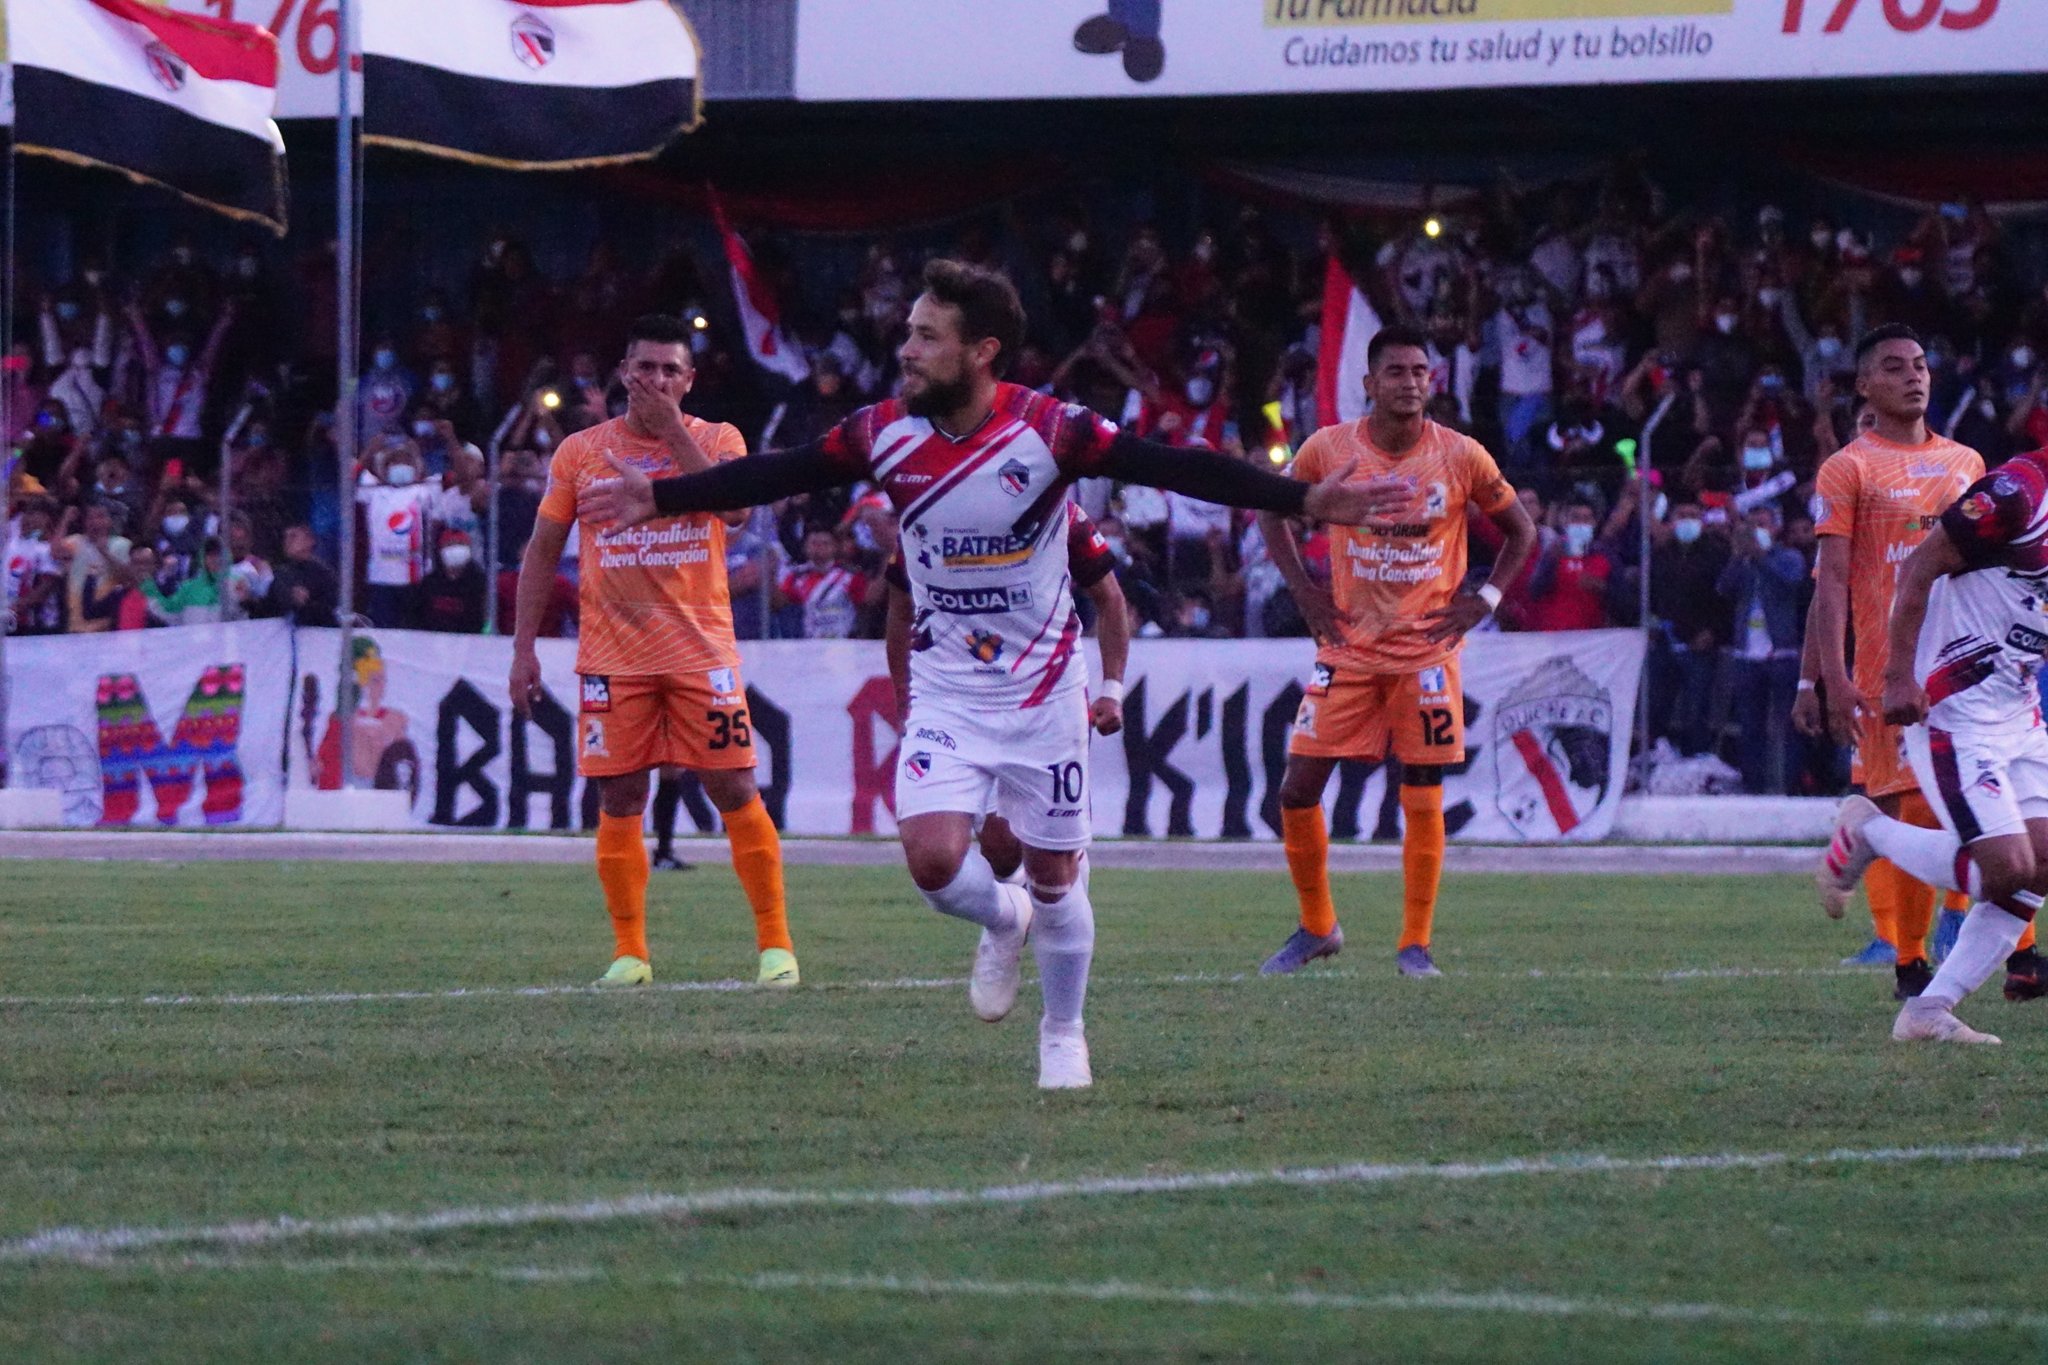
(1359, 715)
(1881, 758)
(688, 720)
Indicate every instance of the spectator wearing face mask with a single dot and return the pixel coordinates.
(1686, 560)
(450, 599)
(1762, 478)
(445, 400)
(82, 367)
(1523, 333)
(384, 393)
(437, 339)
(1761, 584)
(30, 575)
(114, 492)
(175, 382)
(1726, 359)
(1822, 358)
(1569, 590)
(397, 506)
(180, 540)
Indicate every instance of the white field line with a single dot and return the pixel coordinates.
(1448, 1301)
(87, 1245)
(903, 983)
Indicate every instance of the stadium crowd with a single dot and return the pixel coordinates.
(1579, 331)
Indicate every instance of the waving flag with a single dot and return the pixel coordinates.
(178, 100)
(1349, 322)
(760, 313)
(529, 84)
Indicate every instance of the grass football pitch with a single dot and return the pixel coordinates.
(244, 1115)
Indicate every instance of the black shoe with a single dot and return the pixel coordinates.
(1144, 59)
(670, 862)
(2026, 975)
(1100, 35)
(1911, 979)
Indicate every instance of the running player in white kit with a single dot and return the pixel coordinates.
(1969, 625)
(979, 473)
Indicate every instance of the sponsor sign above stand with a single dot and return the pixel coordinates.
(971, 50)
(228, 725)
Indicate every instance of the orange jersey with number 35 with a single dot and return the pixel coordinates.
(1389, 575)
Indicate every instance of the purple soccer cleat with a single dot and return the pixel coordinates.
(1302, 948)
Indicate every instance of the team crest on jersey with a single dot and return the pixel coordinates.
(1438, 502)
(594, 745)
(164, 64)
(917, 766)
(597, 694)
(985, 645)
(722, 681)
(533, 42)
(1305, 718)
(1977, 506)
(1016, 477)
(1435, 684)
(1320, 677)
(1554, 735)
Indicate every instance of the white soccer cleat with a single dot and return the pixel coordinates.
(992, 988)
(1849, 853)
(1924, 1020)
(1063, 1061)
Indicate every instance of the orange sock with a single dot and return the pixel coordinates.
(1881, 886)
(622, 871)
(1913, 901)
(2026, 939)
(757, 859)
(1422, 861)
(1308, 861)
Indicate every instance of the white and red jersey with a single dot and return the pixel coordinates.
(831, 598)
(985, 540)
(1987, 626)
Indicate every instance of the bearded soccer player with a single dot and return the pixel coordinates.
(657, 662)
(1089, 565)
(1880, 496)
(979, 472)
(1390, 629)
(1962, 673)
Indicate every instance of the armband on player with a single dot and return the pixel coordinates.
(1490, 595)
(1113, 690)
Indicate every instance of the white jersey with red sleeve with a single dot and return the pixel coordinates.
(985, 540)
(1987, 626)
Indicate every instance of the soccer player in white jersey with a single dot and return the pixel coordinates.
(979, 472)
(1969, 625)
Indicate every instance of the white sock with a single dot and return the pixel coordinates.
(1986, 939)
(972, 896)
(1063, 937)
(1927, 855)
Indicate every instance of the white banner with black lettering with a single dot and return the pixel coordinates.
(211, 725)
(971, 49)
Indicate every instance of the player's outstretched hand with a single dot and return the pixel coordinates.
(610, 504)
(1455, 617)
(1338, 500)
(1905, 702)
(1106, 714)
(525, 684)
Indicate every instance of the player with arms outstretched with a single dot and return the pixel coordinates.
(1879, 497)
(1089, 565)
(659, 669)
(1390, 629)
(1968, 628)
(979, 472)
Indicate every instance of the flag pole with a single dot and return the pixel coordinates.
(345, 345)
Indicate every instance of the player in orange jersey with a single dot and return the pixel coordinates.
(1878, 497)
(1389, 629)
(657, 663)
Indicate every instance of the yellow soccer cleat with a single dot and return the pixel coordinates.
(778, 969)
(627, 971)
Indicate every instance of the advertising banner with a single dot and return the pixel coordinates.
(213, 725)
(970, 50)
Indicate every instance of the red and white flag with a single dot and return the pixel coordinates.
(529, 84)
(180, 100)
(760, 312)
(1349, 322)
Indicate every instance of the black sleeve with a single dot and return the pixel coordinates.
(1201, 474)
(752, 481)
